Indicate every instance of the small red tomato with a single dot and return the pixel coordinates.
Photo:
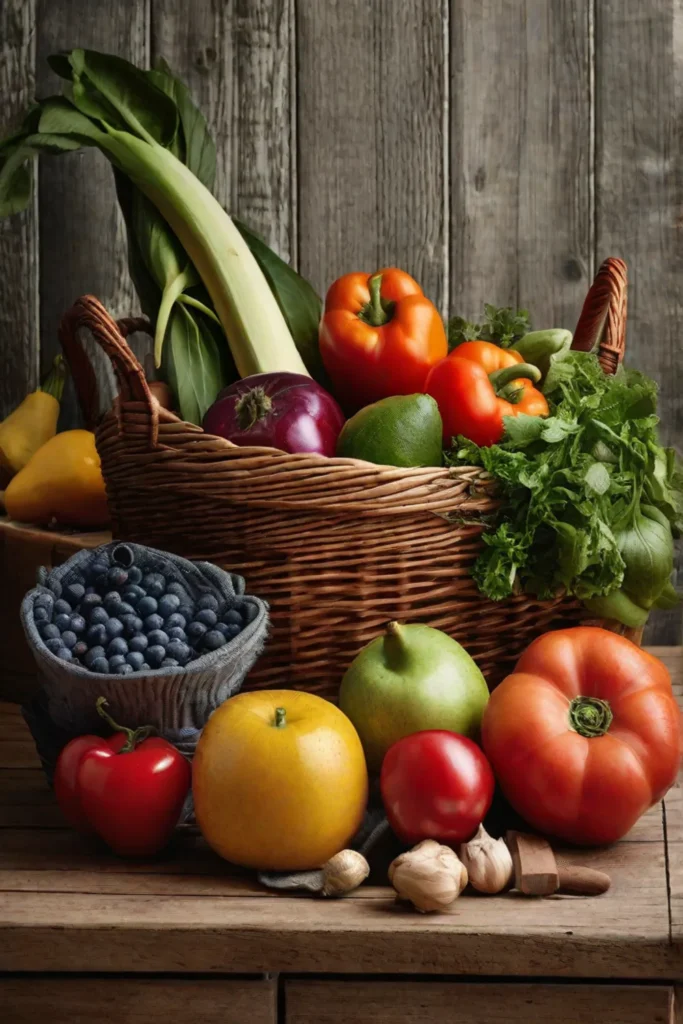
(436, 785)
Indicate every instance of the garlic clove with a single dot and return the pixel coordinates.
(430, 877)
(488, 862)
(344, 872)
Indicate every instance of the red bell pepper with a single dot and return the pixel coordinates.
(477, 385)
(128, 789)
(379, 336)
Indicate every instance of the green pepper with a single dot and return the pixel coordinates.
(538, 347)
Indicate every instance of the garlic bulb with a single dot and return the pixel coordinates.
(431, 876)
(344, 872)
(488, 862)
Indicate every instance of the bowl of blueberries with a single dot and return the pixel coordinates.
(165, 640)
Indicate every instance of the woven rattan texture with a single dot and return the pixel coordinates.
(336, 546)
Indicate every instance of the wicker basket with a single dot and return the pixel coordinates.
(337, 546)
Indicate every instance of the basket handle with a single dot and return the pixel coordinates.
(89, 313)
(602, 324)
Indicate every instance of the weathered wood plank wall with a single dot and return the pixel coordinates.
(497, 149)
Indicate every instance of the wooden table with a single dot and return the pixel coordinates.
(187, 939)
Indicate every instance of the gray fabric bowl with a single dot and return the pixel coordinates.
(176, 701)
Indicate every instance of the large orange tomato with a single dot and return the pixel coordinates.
(279, 780)
(585, 735)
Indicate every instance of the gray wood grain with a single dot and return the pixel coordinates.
(19, 341)
(235, 57)
(521, 157)
(83, 245)
(371, 95)
(639, 190)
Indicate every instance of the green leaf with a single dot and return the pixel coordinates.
(15, 179)
(598, 478)
(60, 64)
(554, 429)
(144, 108)
(196, 148)
(522, 430)
(298, 300)
(60, 117)
(460, 330)
(192, 363)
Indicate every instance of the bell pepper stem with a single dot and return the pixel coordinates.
(280, 718)
(518, 371)
(54, 382)
(590, 716)
(133, 736)
(376, 313)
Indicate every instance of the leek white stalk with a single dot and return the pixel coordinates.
(258, 335)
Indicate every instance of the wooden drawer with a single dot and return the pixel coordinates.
(141, 1001)
(405, 1002)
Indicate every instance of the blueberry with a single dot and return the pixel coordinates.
(125, 609)
(169, 663)
(139, 642)
(136, 660)
(80, 649)
(69, 639)
(65, 654)
(176, 619)
(123, 670)
(207, 617)
(168, 604)
(112, 602)
(62, 621)
(41, 615)
(132, 595)
(90, 601)
(54, 644)
(176, 633)
(117, 646)
(93, 654)
(117, 576)
(131, 625)
(48, 630)
(207, 602)
(147, 606)
(154, 583)
(98, 616)
(187, 611)
(153, 622)
(134, 575)
(44, 601)
(100, 566)
(157, 637)
(230, 631)
(145, 667)
(178, 589)
(233, 618)
(178, 650)
(155, 655)
(99, 665)
(116, 660)
(55, 586)
(96, 635)
(62, 607)
(74, 593)
(77, 624)
(196, 631)
(213, 640)
(114, 627)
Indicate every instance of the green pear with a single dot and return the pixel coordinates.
(410, 679)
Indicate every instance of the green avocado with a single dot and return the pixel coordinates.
(404, 430)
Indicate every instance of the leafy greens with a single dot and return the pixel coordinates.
(576, 485)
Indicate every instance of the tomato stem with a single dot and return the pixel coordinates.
(590, 716)
(133, 736)
(280, 718)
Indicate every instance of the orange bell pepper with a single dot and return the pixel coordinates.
(379, 336)
(480, 383)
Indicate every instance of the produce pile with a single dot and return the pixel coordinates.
(120, 620)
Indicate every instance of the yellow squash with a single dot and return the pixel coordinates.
(62, 483)
(279, 780)
(32, 423)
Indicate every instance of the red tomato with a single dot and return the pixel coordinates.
(585, 735)
(436, 785)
